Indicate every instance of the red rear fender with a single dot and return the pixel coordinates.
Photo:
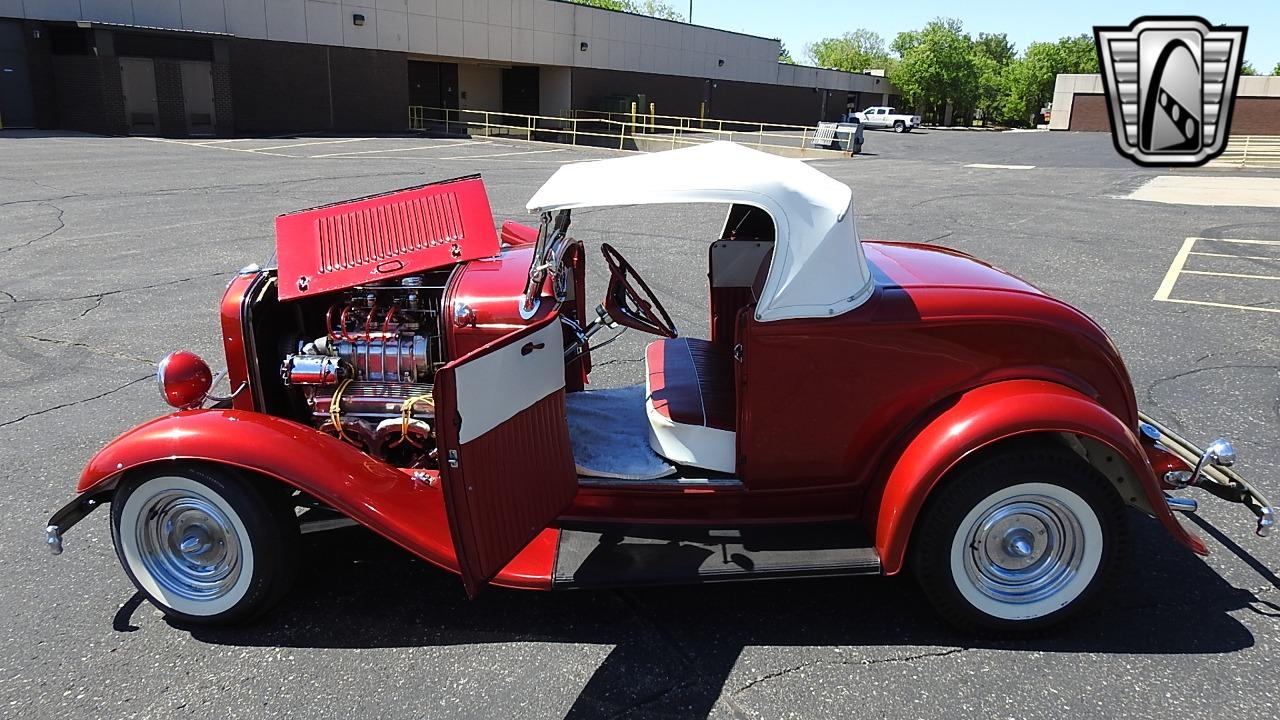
(996, 412)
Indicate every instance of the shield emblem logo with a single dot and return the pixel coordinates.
(1170, 85)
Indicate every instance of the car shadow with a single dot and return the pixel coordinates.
(675, 647)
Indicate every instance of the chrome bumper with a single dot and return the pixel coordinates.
(70, 514)
(1216, 479)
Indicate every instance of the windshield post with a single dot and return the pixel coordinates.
(551, 230)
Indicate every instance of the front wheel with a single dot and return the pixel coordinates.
(1019, 542)
(205, 545)
(899, 126)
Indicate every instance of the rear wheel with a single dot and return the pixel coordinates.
(1019, 542)
(203, 544)
(899, 126)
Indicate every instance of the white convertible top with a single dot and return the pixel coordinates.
(818, 267)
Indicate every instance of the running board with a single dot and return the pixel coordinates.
(630, 555)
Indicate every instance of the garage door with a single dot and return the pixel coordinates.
(1089, 113)
(17, 109)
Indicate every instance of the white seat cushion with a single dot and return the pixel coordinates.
(689, 399)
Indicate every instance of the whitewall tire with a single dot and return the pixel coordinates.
(203, 543)
(1018, 542)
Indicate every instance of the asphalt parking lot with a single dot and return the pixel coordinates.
(114, 251)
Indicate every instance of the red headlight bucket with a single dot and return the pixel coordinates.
(184, 379)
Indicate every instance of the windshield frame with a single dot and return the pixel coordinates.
(548, 255)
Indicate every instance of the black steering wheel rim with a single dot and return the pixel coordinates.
(639, 314)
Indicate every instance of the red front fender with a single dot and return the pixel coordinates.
(381, 497)
(987, 415)
(385, 499)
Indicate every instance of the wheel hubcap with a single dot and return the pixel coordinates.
(189, 545)
(1024, 549)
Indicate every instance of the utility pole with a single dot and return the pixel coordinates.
(690, 12)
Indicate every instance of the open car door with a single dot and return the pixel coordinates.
(506, 465)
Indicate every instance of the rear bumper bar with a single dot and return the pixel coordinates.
(1221, 482)
(70, 514)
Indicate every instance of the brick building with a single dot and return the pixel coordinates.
(227, 67)
(1079, 104)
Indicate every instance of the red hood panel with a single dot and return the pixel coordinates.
(386, 236)
(913, 265)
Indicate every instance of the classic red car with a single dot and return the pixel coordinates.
(859, 408)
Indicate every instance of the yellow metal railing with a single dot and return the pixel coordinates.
(614, 129)
(1250, 151)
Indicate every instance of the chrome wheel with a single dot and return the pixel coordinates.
(205, 544)
(188, 545)
(1024, 549)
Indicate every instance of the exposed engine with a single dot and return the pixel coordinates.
(368, 379)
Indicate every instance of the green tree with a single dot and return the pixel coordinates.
(904, 42)
(606, 4)
(1247, 68)
(653, 8)
(1276, 70)
(938, 67)
(996, 47)
(855, 51)
(993, 55)
(1029, 81)
(784, 55)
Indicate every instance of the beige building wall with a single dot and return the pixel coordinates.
(479, 87)
(1064, 90)
(534, 32)
(555, 90)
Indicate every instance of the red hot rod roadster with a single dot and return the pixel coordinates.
(859, 408)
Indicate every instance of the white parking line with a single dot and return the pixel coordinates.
(212, 147)
(1227, 255)
(408, 149)
(305, 144)
(1243, 242)
(1000, 167)
(1234, 275)
(1171, 277)
(218, 142)
(508, 154)
(1177, 268)
(1224, 305)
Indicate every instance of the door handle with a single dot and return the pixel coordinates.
(530, 347)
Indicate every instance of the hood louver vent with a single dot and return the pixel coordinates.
(383, 236)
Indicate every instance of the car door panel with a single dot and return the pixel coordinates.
(507, 466)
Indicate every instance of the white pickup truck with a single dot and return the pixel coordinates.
(887, 117)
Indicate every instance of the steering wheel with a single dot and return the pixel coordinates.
(628, 307)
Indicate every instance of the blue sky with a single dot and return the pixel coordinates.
(799, 22)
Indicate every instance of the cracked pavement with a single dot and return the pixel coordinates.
(114, 251)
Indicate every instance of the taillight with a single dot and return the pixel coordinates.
(184, 379)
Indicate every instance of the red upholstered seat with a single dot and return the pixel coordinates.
(691, 382)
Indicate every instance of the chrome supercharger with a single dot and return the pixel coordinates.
(367, 380)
